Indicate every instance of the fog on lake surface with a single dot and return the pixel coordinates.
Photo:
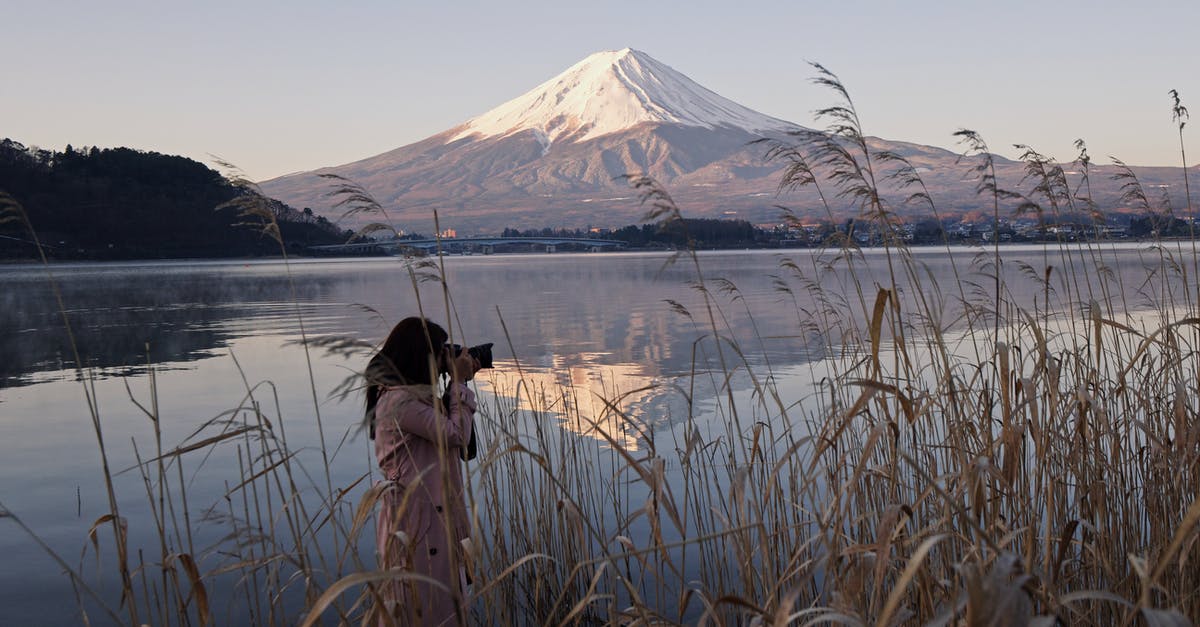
(192, 338)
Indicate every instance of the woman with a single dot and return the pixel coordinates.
(418, 442)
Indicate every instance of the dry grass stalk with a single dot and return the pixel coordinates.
(1041, 468)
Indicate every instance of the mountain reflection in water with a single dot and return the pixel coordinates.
(610, 307)
(606, 344)
(587, 395)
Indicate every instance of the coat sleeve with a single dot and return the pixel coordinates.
(421, 419)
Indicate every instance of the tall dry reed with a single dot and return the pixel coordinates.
(956, 456)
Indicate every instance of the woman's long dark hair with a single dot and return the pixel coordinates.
(404, 359)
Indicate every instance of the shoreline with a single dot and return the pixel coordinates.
(940, 246)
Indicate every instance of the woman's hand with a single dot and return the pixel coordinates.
(463, 366)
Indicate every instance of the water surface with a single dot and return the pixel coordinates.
(193, 338)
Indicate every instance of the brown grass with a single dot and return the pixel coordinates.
(958, 459)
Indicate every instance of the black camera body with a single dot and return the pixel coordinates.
(482, 353)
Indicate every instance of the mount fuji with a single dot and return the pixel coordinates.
(554, 157)
(609, 92)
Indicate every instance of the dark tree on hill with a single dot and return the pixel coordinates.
(706, 232)
(122, 203)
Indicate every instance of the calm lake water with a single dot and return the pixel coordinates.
(208, 330)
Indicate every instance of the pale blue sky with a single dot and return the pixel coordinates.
(277, 87)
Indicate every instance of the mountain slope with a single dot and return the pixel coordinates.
(121, 203)
(555, 155)
(613, 91)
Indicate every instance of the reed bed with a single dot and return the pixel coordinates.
(956, 456)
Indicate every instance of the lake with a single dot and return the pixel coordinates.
(186, 341)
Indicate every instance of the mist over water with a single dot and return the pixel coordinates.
(604, 324)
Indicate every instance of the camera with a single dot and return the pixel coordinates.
(482, 353)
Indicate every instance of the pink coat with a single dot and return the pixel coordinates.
(424, 514)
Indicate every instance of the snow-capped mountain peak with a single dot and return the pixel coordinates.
(612, 91)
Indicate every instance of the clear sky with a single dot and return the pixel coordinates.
(279, 87)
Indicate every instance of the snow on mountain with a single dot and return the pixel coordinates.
(555, 156)
(612, 91)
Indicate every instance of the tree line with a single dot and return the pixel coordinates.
(702, 233)
(121, 203)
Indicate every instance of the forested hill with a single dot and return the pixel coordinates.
(122, 203)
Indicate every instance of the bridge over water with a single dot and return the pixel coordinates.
(484, 245)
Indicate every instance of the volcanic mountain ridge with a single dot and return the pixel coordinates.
(555, 156)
